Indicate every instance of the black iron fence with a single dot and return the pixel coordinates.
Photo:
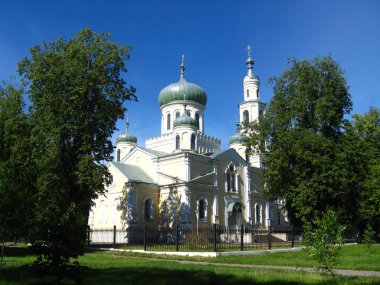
(202, 238)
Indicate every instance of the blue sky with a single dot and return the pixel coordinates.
(213, 36)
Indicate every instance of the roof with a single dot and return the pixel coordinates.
(153, 152)
(176, 91)
(133, 173)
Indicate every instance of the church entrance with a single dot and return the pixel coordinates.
(234, 214)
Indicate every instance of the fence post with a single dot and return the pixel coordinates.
(177, 238)
(292, 236)
(144, 238)
(214, 228)
(114, 236)
(241, 238)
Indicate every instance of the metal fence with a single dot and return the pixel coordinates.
(184, 238)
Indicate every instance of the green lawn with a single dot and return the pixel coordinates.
(108, 268)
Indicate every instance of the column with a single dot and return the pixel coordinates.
(216, 196)
(247, 188)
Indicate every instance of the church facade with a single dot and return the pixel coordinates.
(182, 177)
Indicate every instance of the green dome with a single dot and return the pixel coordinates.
(185, 120)
(176, 92)
(126, 137)
(239, 138)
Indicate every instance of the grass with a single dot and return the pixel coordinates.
(108, 268)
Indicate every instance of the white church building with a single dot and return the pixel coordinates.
(182, 177)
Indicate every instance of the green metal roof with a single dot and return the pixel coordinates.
(185, 120)
(176, 91)
(239, 138)
(132, 172)
(126, 137)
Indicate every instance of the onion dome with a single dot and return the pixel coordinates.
(126, 137)
(185, 120)
(175, 91)
(239, 138)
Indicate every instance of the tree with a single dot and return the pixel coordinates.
(77, 94)
(16, 175)
(366, 131)
(300, 137)
(324, 241)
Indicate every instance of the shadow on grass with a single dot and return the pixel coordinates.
(141, 275)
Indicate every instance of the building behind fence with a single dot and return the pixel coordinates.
(205, 238)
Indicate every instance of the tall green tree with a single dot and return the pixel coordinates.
(366, 131)
(16, 171)
(300, 137)
(77, 90)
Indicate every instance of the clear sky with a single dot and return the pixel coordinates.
(213, 36)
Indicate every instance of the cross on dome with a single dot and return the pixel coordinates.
(248, 49)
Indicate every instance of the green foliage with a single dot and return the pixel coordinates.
(300, 137)
(324, 240)
(368, 236)
(366, 129)
(16, 168)
(77, 94)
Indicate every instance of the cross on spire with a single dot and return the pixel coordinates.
(183, 66)
(248, 49)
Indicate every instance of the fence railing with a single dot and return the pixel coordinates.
(184, 238)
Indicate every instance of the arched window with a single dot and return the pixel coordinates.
(188, 112)
(168, 122)
(228, 178)
(247, 93)
(177, 114)
(245, 116)
(231, 178)
(197, 118)
(202, 209)
(261, 113)
(118, 155)
(148, 210)
(257, 93)
(192, 143)
(177, 142)
(258, 213)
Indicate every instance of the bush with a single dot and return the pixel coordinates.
(324, 241)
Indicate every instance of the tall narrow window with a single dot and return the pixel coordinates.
(168, 122)
(257, 93)
(228, 178)
(192, 145)
(247, 93)
(118, 155)
(245, 116)
(148, 210)
(201, 209)
(197, 118)
(258, 213)
(177, 142)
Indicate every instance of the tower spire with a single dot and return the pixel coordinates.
(127, 124)
(249, 62)
(183, 66)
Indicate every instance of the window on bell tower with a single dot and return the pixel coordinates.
(168, 122)
(247, 93)
(245, 116)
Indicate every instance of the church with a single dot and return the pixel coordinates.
(182, 177)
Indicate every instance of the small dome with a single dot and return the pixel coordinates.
(239, 138)
(185, 120)
(126, 137)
